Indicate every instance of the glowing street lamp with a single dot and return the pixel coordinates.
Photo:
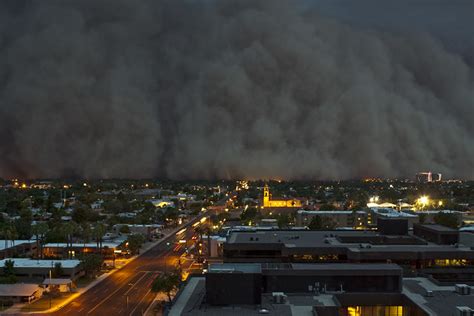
(423, 201)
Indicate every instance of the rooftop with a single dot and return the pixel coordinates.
(329, 212)
(235, 267)
(443, 301)
(109, 244)
(30, 263)
(438, 228)
(19, 289)
(48, 281)
(352, 243)
(5, 244)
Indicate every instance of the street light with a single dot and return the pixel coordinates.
(423, 201)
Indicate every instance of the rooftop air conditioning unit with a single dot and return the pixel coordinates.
(279, 297)
(464, 311)
(462, 289)
(429, 293)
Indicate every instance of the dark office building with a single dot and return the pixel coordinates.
(228, 284)
(297, 289)
(392, 226)
(438, 234)
(410, 252)
(302, 277)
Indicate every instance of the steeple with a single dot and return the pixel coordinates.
(266, 196)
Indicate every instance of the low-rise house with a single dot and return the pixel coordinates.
(29, 268)
(20, 292)
(62, 250)
(146, 230)
(12, 248)
(60, 285)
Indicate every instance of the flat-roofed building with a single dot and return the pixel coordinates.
(20, 292)
(390, 213)
(354, 246)
(63, 250)
(297, 289)
(32, 268)
(13, 248)
(438, 234)
(356, 219)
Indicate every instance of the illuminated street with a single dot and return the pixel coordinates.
(127, 291)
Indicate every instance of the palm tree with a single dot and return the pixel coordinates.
(99, 231)
(86, 233)
(14, 235)
(68, 229)
(39, 230)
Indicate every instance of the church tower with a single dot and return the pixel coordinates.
(266, 196)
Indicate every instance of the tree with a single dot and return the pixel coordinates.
(422, 218)
(327, 207)
(68, 230)
(9, 233)
(99, 231)
(328, 223)
(283, 220)
(9, 267)
(58, 270)
(80, 214)
(134, 242)
(9, 273)
(446, 219)
(92, 263)
(124, 229)
(39, 230)
(249, 214)
(23, 224)
(167, 282)
(316, 223)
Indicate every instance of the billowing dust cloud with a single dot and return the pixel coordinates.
(224, 89)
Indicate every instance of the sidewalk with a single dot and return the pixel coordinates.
(17, 308)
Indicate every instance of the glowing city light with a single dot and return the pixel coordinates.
(374, 199)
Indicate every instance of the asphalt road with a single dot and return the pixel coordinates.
(127, 291)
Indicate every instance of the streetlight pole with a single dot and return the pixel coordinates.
(50, 286)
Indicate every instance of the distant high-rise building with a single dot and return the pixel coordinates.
(425, 177)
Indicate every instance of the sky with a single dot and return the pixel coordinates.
(254, 89)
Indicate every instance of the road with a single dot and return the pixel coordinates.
(127, 291)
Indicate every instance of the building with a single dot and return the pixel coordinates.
(14, 248)
(63, 250)
(427, 177)
(466, 236)
(299, 289)
(356, 219)
(60, 285)
(269, 202)
(389, 213)
(29, 268)
(268, 222)
(429, 215)
(437, 234)
(20, 292)
(412, 253)
(147, 230)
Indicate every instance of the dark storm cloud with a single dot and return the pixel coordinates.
(255, 89)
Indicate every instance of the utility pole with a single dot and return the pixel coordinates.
(50, 285)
